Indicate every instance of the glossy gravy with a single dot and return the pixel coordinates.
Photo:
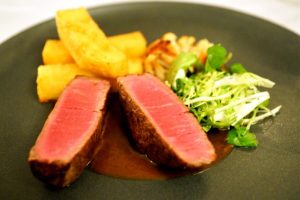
(118, 158)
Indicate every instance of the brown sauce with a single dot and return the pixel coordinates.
(118, 158)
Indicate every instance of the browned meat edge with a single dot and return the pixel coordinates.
(62, 174)
(149, 142)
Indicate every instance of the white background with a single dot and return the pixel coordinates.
(18, 15)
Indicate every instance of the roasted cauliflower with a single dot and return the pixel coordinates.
(161, 53)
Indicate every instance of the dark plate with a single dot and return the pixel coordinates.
(269, 172)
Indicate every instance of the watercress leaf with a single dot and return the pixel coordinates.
(241, 137)
(237, 68)
(216, 57)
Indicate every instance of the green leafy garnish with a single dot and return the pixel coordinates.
(237, 68)
(181, 65)
(241, 137)
(216, 57)
(222, 99)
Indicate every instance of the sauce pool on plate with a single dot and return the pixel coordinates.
(118, 158)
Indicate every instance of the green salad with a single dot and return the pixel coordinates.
(221, 96)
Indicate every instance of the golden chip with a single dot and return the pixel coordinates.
(88, 44)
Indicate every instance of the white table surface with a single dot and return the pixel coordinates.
(18, 15)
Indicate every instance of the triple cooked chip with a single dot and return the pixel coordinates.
(52, 79)
(88, 44)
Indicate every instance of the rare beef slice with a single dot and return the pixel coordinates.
(161, 126)
(72, 132)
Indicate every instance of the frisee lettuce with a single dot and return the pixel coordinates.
(220, 98)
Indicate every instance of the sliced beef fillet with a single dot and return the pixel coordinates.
(72, 133)
(162, 127)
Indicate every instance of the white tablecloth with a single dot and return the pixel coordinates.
(18, 15)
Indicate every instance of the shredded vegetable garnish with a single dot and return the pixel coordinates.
(222, 97)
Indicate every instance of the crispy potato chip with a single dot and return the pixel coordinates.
(133, 44)
(135, 65)
(88, 45)
(54, 52)
(52, 79)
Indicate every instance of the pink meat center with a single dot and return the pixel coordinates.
(174, 123)
(72, 121)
